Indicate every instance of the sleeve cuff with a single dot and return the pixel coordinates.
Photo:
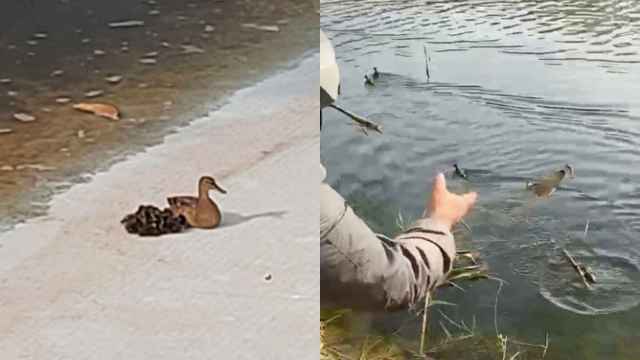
(428, 223)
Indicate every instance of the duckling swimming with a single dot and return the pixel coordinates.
(547, 185)
(368, 81)
(376, 74)
(200, 212)
(460, 172)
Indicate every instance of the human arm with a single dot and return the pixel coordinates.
(360, 270)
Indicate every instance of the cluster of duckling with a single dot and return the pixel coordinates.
(149, 220)
(184, 212)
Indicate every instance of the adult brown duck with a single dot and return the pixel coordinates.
(547, 185)
(184, 212)
(200, 212)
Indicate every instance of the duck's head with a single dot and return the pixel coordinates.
(568, 169)
(375, 69)
(210, 184)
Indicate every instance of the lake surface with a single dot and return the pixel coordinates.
(517, 89)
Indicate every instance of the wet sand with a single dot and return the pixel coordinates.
(39, 40)
(74, 285)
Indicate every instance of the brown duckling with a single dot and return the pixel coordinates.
(547, 185)
(199, 212)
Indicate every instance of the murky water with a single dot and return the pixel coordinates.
(516, 89)
(176, 60)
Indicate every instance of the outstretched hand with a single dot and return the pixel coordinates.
(445, 207)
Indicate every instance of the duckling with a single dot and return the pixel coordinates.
(149, 220)
(460, 172)
(548, 184)
(368, 81)
(199, 212)
(376, 74)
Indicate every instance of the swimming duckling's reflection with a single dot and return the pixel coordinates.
(230, 218)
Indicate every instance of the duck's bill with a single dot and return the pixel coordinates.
(220, 189)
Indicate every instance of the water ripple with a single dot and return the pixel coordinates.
(587, 24)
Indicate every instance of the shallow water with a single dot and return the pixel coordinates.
(203, 51)
(517, 89)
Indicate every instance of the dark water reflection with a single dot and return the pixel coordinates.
(516, 89)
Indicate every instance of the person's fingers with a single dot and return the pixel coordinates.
(470, 198)
(470, 201)
(448, 206)
(438, 191)
(439, 185)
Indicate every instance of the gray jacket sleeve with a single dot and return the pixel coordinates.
(359, 270)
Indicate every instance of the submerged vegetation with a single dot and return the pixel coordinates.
(341, 338)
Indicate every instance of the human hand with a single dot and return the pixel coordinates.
(445, 207)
